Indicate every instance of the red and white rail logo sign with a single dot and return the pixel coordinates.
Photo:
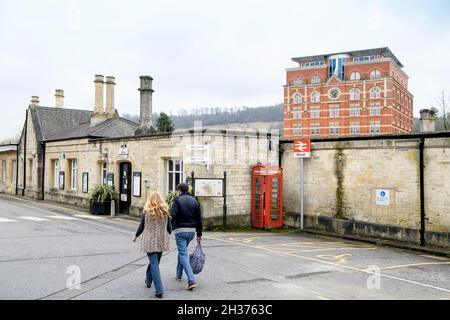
(302, 148)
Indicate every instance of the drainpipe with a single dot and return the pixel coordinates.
(43, 170)
(25, 155)
(422, 191)
(17, 169)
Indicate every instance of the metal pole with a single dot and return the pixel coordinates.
(224, 199)
(302, 179)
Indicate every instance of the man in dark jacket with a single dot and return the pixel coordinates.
(186, 221)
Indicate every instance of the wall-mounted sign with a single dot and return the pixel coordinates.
(85, 182)
(124, 197)
(383, 198)
(198, 147)
(208, 187)
(302, 148)
(123, 152)
(137, 178)
(62, 180)
(199, 159)
(110, 179)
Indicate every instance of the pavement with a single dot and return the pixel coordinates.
(45, 246)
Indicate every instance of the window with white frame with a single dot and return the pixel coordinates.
(315, 112)
(375, 74)
(14, 171)
(297, 98)
(175, 174)
(297, 130)
(315, 79)
(355, 94)
(334, 129)
(55, 174)
(354, 111)
(334, 112)
(375, 93)
(297, 114)
(315, 97)
(4, 170)
(315, 129)
(104, 173)
(73, 174)
(375, 110)
(298, 81)
(354, 76)
(355, 128)
(375, 127)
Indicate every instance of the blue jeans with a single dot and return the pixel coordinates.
(182, 240)
(153, 274)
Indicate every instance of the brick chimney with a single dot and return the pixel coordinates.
(145, 120)
(427, 120)
(59, 98)
(110, 111)
(99, 112)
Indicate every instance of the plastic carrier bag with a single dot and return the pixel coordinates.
(197, 259)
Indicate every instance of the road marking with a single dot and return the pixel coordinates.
(415, 265)
(434, 257)
(332, 264)
(7, 220)
(61, 218)
(340, 258)
(30, 218)
(88, 216)
(328, 249)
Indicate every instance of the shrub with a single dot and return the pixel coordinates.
(103, 193)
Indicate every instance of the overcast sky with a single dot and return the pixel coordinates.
(203, 53)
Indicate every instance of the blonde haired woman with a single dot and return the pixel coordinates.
(155, 228)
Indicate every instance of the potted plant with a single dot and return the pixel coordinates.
(101, 197)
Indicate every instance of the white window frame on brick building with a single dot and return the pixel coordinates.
(315, 79)
(315, 112)
(297, 81)
(355, 111)
(355, 76)
(315, 129)
(174, 175)
(315, 97)
(333, 129)
(297, 114)
(73, 174)
(375, 93)
(334, 111)
(375, 110)
(297, 130)
(375, 74)
(375, 127)
(297, 98)
(355, 128)
(355, 94)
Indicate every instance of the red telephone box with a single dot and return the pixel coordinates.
(267, 197)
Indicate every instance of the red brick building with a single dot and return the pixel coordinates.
(351, 93)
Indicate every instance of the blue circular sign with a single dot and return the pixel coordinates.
(382, 193)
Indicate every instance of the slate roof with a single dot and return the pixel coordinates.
(61, 123)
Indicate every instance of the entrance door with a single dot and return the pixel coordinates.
(125, 188)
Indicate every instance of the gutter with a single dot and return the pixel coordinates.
(25, 155)
(422, 192)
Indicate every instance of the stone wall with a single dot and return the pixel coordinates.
(342, 178)
(8, 186)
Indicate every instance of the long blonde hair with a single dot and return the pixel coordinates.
(156, 207)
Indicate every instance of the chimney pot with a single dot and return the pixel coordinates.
(34, 101)
(110, 109)
(59, 98)
(427, 120)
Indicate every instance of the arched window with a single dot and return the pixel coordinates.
(315, 97)
(355, 76)
(355, 94)
(375, 93)
(298, 98)
(315, 80)
(298, 81)
(375, 74)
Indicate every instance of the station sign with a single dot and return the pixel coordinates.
(302, 148)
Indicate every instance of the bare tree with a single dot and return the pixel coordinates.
(443, 109)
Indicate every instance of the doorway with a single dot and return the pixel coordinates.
(125, 188)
